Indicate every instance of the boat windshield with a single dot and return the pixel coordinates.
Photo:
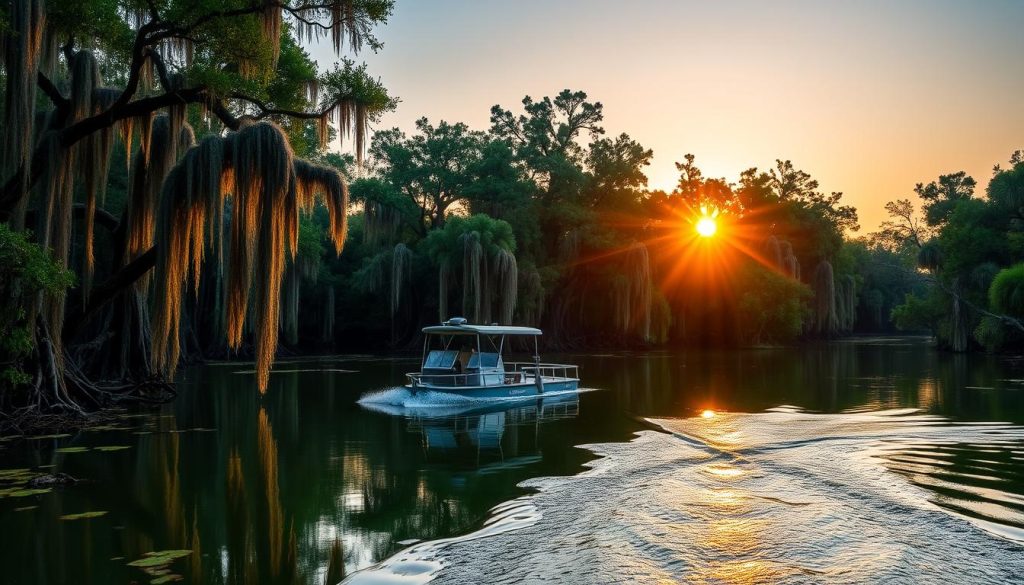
(441, 359)
(485, 360)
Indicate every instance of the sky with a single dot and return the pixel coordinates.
(870, 97)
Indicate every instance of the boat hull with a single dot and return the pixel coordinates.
(502, 390)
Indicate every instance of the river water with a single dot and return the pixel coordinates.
(860, 461)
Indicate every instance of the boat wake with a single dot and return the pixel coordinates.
(894, 496)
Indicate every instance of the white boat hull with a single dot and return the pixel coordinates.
(529, 388)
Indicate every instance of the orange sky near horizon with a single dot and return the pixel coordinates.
(868, 97)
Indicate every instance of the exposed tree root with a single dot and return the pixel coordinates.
(59, 395)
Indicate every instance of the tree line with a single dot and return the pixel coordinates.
(169, 194)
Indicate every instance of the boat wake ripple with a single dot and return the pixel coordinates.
(780, 496)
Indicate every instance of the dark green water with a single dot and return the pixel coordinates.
(262, 488)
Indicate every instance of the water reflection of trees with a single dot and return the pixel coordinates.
(295, 487)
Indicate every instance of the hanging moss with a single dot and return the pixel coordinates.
(790, 264)
(632, 292)
(21, 44)
(155, 158)
(380, 224)
(506, 276)
(959, 320)
(268, 191)
(569, 246)
(443, 286)
(850, 294)
(826, 319)
(472, 292)
(401, 274)
(773, 253)
(930, 257)
(531, 295)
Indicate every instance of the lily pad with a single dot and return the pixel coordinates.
(72, 450)
(84, 515)
(109, 448)
(57, 436)
(29, 492)
(25, 508)
(170, 578)
(157, 558)
(14, 474)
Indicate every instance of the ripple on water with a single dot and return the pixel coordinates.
(778, 496)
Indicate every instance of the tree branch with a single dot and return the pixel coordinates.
(106, 291)
(62, 103)
(12, 190)
(102, 216)
(266, 110)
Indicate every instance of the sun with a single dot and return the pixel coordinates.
(706, 227)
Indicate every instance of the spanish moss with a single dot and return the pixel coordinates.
(826, 321)
(401, 274)
(506, 275)
(472, 258)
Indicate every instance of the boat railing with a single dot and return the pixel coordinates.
(561, 371)
(453, 380)
(515, 373)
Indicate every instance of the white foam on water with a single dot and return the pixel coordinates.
(420, 563)
(781, 496)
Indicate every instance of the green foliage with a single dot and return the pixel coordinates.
(311, 239)
(446, 244)
(885, 275)
(919, 313)
(942, 196)
(1006, 189)
(974, 233)
(433, 168)
(349, 81)
(25, 270)
(1006, 294)
(991, 333)
(772, 308)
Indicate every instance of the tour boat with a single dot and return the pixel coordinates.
(464, 359)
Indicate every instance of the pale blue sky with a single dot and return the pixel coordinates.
(870, 97)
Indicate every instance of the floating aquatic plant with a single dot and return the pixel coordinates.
(84, 515)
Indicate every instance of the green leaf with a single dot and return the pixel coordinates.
(29, 492)
(158, 558)
(84, 515)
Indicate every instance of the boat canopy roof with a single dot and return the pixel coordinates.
(467, 329)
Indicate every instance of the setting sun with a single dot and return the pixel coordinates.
(706, 227)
